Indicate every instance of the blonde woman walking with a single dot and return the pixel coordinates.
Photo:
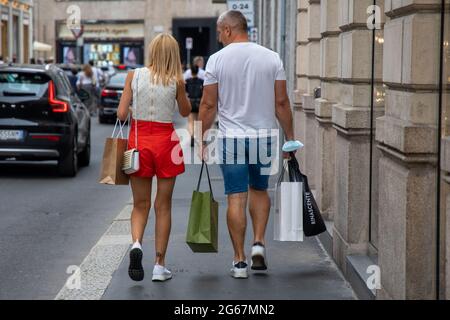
(156, 88)
(88, 82)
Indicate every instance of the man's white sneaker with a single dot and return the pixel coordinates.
(259, 257)
(239, 270)
(161, 274)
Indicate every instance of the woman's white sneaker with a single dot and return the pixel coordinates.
(239, 270)
(259, 257)
(161, 274)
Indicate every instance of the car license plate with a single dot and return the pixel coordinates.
(11, 135)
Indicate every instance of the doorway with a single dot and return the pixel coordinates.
(203, 33)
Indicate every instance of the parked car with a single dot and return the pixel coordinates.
(42, 118)
(110, 98)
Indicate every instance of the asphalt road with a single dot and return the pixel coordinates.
(48, 223)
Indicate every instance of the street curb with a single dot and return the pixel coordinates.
(90, 280)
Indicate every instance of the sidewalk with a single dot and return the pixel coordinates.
(296, 270)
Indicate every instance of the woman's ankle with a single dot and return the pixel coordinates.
(160, 259)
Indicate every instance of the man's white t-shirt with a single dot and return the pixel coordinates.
(245, 73)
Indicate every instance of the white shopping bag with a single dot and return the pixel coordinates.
(288, 223)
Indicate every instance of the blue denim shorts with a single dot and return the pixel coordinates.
(245, 162)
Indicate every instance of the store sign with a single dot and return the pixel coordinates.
(77, 32)
(15, 4)
(246, 7)
(105, 31)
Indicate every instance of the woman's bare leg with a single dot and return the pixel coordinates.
(163, 210)
(142, 191)
(191, 120)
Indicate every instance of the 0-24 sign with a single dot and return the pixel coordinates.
(245, 6)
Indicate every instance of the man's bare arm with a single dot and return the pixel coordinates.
(283, 109)
(208, 107)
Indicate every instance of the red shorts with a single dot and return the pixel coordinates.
(159, 149)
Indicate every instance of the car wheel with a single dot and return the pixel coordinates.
(101, 120)
(68, 163)
(84, 158)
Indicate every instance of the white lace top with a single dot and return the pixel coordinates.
(152, 102)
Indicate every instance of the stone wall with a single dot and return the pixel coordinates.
(336, 130)
(308, 78)
(407, 137)
(325, 134)
(351, 119)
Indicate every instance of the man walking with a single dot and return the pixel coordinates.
(247, 83)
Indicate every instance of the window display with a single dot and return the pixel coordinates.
(102, 53)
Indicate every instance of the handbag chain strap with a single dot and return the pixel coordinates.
(204, 164)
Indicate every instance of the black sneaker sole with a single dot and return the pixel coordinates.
(259, 263)
(136, 271)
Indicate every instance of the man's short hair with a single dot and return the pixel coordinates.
(235, 19)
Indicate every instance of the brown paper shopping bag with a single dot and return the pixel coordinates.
(111, 172)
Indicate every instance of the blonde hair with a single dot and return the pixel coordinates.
(164, 59)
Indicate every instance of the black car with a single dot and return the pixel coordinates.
(42, 118)
(110, 97)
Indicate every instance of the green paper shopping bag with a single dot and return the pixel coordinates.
(202, 233)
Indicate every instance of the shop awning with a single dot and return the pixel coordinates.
(40, 46)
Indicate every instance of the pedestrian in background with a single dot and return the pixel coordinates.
(88, 82)
(155, 90)
(98, 74)
(246, 83)
(194, 89)
(73, 78)
(200, 63)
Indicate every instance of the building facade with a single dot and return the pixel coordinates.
(118, 32)
(377, 138)
(16, 30)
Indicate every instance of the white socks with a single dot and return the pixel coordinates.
(136, 245)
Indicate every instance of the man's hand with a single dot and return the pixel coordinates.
(288, 155)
